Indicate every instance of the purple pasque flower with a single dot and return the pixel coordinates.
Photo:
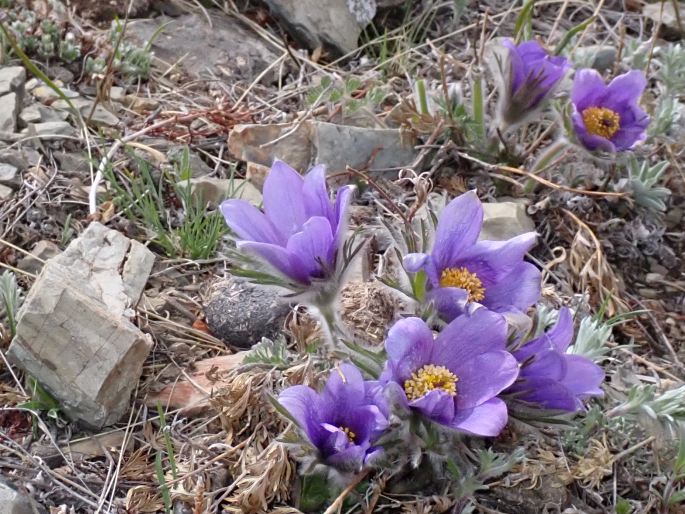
(455, 378)
(344, 421)
(300, 231)
(531, 78)
(462, 270)
(608, 117)
(552, 378)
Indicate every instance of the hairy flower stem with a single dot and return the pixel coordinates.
(329, 324)
(549, 155)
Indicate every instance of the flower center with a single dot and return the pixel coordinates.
(463, 279)
(350, 435)
(428, 378)
(601, 121)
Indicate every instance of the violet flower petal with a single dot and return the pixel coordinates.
(248, 222)
(283, 198)
(437, 405)
(458, 228)
(450, 302)
(312, 247)
(487, 419)
(492, 260)
(469, 336)
(584, 377)
(625, 89)
(344, 389)
(484, 377)
(588, 86)
(547, 364)
(315, 195)
(408, 346)
(304, 406)
(561, 333)
(519, 289)
(546, 393)
(278, 257)
(414, 262)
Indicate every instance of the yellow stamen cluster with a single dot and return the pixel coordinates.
(463, 279)
(350, 435)
(601, 121)
(428, 378)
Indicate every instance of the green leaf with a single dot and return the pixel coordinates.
(572, 32)
(677, 498)
(524, 21)
(623, 506)
(314, 494)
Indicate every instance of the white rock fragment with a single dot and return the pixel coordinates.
(12, 80)
(9, 111)
(6, 192)
(73, 334)
(14, 502)
(504, 220)
(9, 175)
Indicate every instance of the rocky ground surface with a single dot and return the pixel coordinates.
(154, 112)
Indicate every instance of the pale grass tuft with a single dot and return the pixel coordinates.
(142, 498)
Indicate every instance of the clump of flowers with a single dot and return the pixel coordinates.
(530, 79)
(464, 272)
(458, 366)
(608, 117)
(441, 378)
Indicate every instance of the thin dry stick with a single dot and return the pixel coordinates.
(92, 195)
(21, 250)
(518, 171)
(16, 270)
(337, 504)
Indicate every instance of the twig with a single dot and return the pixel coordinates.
(632, 449)
(92, 195)
(21, 250)
(337, 503)
(518, 171)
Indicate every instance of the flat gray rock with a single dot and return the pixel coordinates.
(315, 142)
(50, 130)
(226, 47)
(88, 358)
(320, 22)
(113, 267)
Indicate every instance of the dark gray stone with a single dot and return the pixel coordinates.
(241, 313)
(9, 175)
(198, 46)
(319, 22)
(14, 502)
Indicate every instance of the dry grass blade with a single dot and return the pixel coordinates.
(591, 269)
